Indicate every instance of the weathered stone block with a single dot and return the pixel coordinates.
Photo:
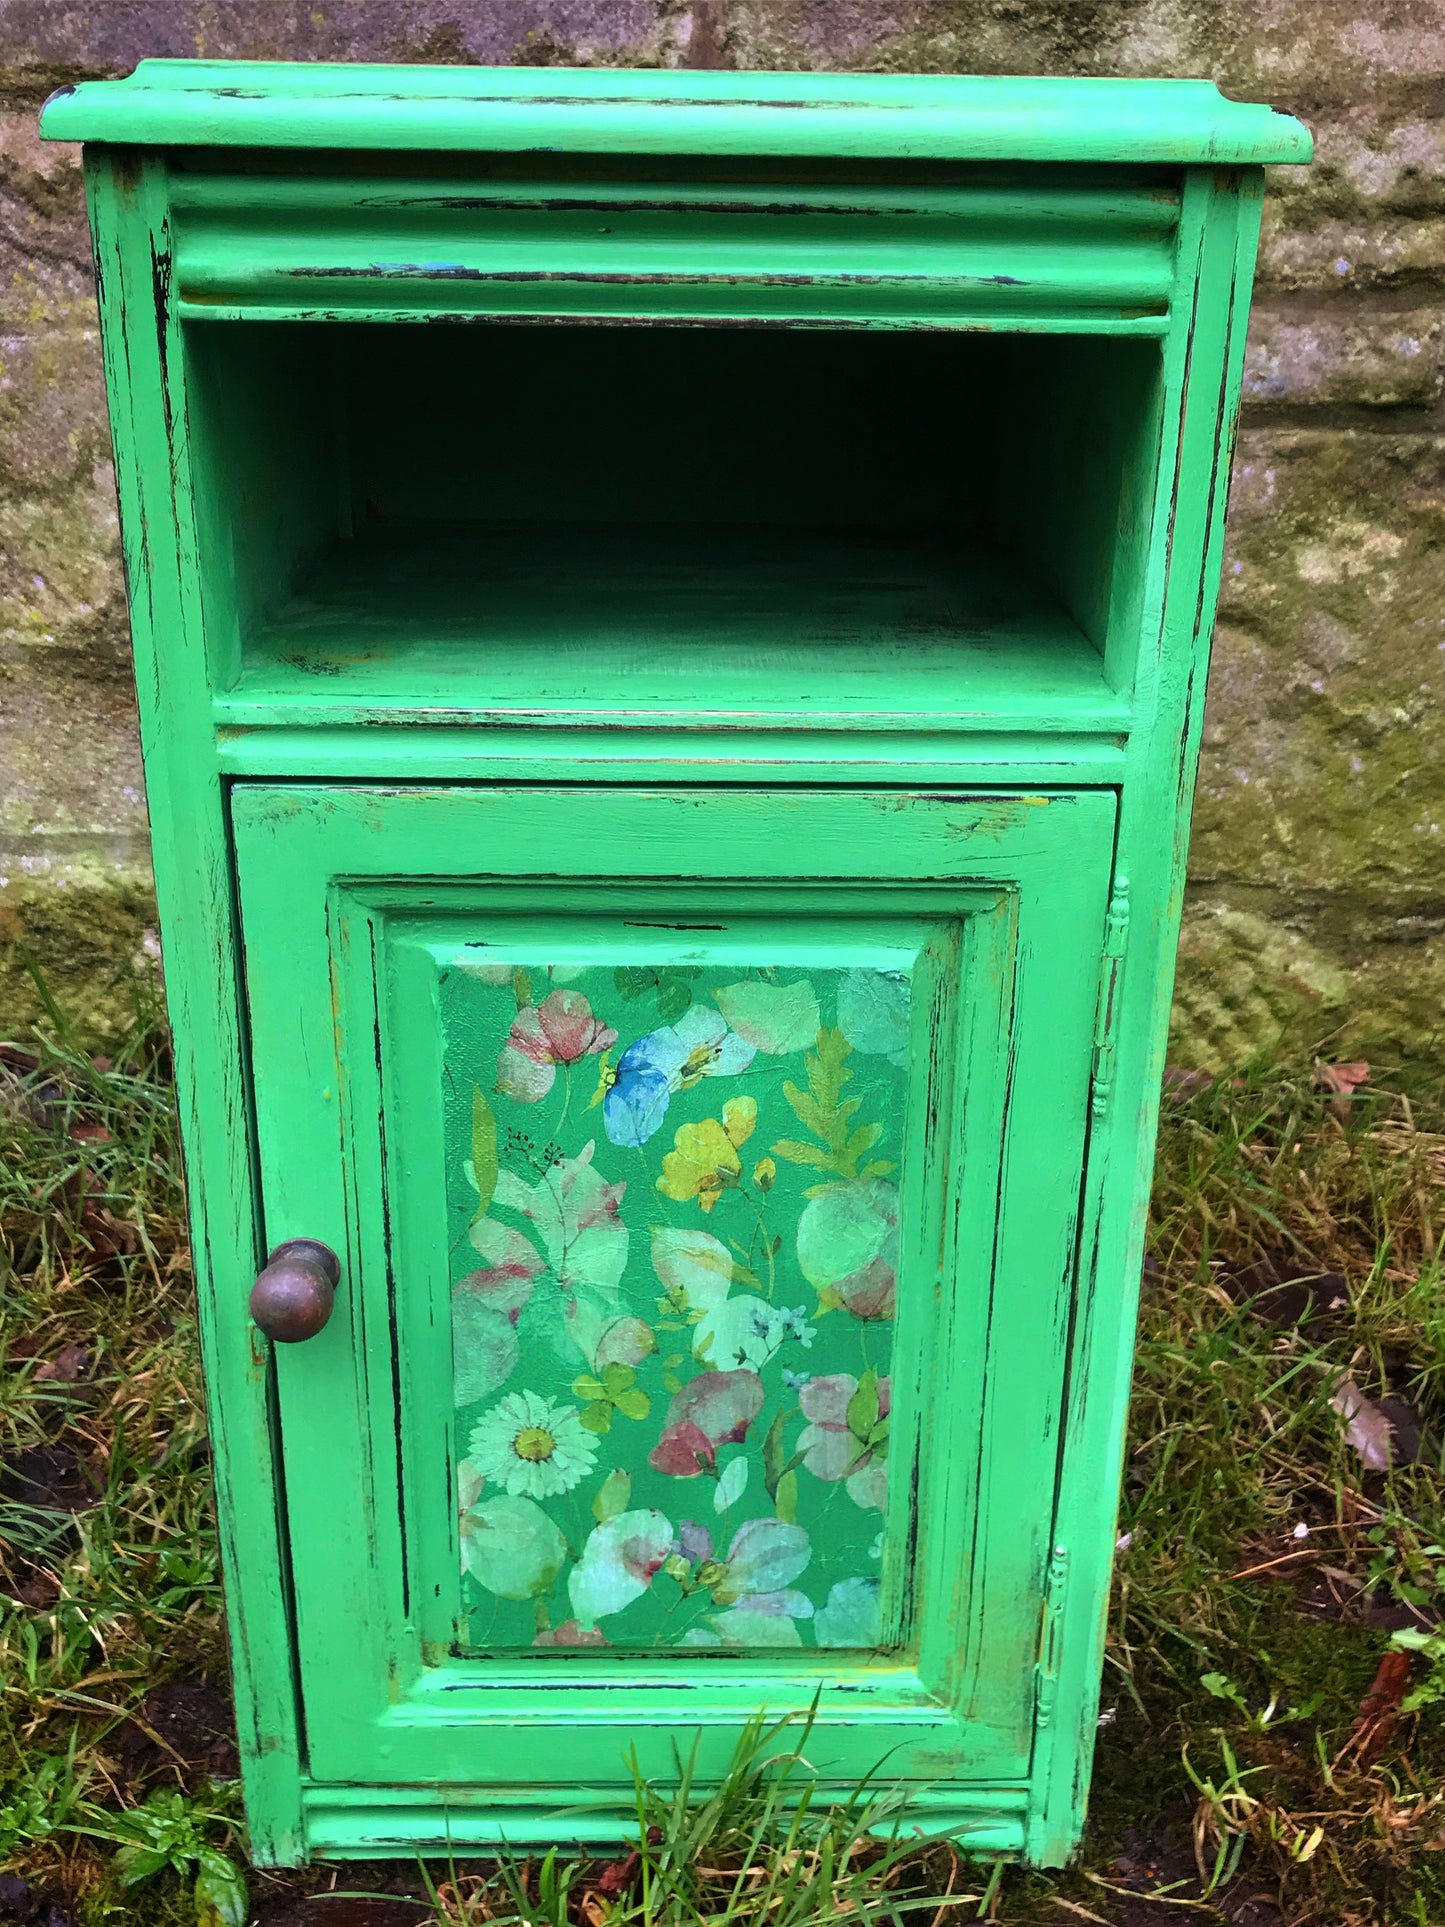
(1365, 254)
(1321, 804)
(1248, 991)
(1251, 988)
(1369, 213)
(1295, 52)
(69, 754)
(85, 926)
(1324, 764)
(56, 37)
(45, 268)
(1375, 156)
(52, 412)
(1338, 355)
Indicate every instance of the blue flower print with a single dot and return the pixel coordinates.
(674, 1058)
(795, 1324)
(636, 1102)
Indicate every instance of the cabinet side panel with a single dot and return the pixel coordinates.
(1203, 362)
(127, 201)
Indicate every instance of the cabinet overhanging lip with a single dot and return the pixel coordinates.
(289, 104)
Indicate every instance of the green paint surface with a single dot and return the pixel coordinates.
(318, 104)
(861, 637)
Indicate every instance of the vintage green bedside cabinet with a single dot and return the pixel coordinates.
(671, 614)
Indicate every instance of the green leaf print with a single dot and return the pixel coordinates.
(863, 1409)
(615, 1391)
(484, 1150)
(773, 1460)
(612, 1495)
(672, 988)
(824, 1110)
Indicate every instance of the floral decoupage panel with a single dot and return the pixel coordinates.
(673, 1198)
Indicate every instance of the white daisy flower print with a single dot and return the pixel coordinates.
(532, 1448)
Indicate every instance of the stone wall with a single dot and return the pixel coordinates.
(1318, 901)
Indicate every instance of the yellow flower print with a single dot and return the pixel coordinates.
(704, 1161)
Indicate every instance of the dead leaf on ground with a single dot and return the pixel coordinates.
(38, 1592)
(107, 1235)
(1367, 1428)
(51, 1478)
(69, 1364)
(36, 1104)
(96, 1225)
(1342, 1079)
(617, 1876)
(1404, 1423)
(1374, 1725)
(1399, 1616)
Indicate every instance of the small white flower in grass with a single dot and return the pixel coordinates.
(531, 1447)
(1107, 1716)
(1123, 1542)
(1301, 1531)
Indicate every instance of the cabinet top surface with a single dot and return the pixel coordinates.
(200, 103)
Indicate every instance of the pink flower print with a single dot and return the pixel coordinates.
(847, 1434)
(715, 1409)
(693, 1542)
(559, 1030)
(683, 1452)
(621, 1558)
(570, 1633)
(504, 1282)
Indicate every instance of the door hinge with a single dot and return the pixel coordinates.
(1116, 936)
(1046, 1672)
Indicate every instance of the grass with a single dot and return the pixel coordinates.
(1270, 1561)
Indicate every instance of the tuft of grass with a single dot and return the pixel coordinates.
(1266, 1568)
(758, 1847)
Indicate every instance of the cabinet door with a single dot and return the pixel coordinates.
(705, 1171)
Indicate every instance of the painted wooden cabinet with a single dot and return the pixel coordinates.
(670, 616)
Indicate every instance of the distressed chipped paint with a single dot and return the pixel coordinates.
(400, 706)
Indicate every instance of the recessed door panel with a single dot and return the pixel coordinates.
(705, 1173)
(674, 1208)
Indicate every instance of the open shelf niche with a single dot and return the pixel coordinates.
(522, 520)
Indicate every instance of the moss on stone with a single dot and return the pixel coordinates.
(78, 935)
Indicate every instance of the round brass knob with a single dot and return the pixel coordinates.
(293, 1296)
